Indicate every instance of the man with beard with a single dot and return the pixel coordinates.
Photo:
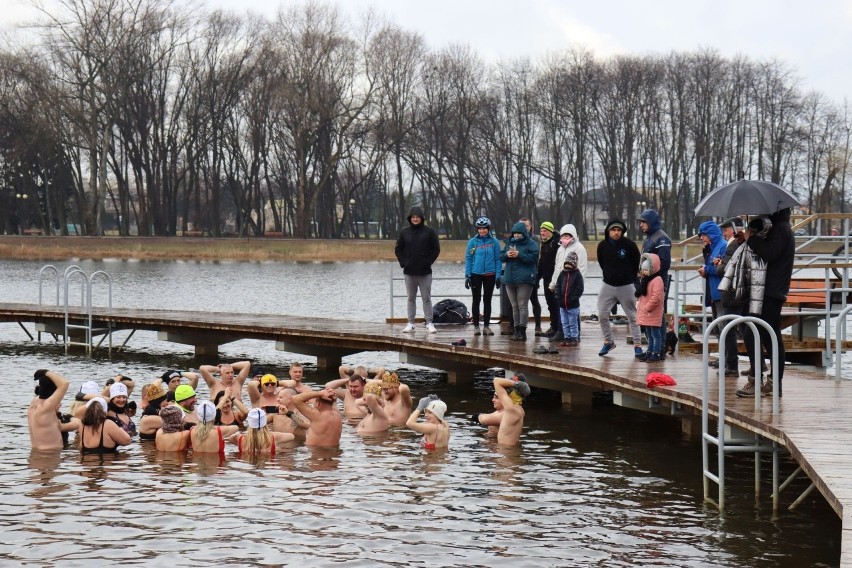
(326, 423)
(397, 399)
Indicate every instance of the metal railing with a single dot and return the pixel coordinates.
(88, 329)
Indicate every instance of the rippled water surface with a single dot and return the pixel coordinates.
(597, 486)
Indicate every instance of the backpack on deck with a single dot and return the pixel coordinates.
(449, 311)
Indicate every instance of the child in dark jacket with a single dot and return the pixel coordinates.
(569, 288)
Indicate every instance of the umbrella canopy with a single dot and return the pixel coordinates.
(745, 197)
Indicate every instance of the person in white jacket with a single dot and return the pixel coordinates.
(568, 242)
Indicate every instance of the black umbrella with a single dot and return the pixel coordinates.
(745, 197)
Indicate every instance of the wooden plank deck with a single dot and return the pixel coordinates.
(814, 424)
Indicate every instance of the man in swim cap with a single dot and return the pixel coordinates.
(264, 393)
(185, 400)
(42, 415)
(398, 401)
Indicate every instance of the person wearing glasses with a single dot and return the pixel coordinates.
(264, 394)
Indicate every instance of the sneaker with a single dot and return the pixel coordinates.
(476, 330)
(629, 341)
(713, 363)
(409, 328)
(607, 347)
(766, 387)
(652, 358)
(747, 391)
(731, 373)
(487, 331)
(637, 352)
(430, 327)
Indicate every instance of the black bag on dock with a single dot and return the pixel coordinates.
(449, 311)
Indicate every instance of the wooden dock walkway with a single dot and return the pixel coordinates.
(814, 424)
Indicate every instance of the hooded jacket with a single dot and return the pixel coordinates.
(417, 246)
(575, 246)
(649, 306)
(657, 242)
(522, 268)
(482, 256)
(778, 250)
(717, 248)
(618, 259)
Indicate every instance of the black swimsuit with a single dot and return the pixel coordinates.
(99, 449)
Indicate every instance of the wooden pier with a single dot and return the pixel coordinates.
(814, 424)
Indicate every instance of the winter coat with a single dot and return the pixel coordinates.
(649, 306)
(657, 241)
(575, 246)
(547, 258)
(417, 246)
(728, 296)
(778, 250)
(715, 250)
(744, 280)
(522, 268)
(569, 288)
(619, 260)
(482, 256)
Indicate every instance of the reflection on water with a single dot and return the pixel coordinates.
(596, 486)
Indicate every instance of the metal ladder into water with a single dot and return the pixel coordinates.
(88, 326)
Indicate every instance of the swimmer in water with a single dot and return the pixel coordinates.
(511, 394)
(258, 439)
(435, 430)
(376, 419)
(98, 434)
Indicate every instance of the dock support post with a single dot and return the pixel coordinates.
(328, 358)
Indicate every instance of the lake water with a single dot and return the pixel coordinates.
(598, 486)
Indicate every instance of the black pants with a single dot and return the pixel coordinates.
(536, 306)
(552, 307)
(506, 308)
(480, 283)
(771, 314)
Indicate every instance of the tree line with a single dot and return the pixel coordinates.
(148, 116)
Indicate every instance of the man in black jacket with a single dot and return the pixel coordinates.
(417, 248)
(546, 265)
(778, 250)
(618, 257)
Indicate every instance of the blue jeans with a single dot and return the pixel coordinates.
(570, 319)
(655, 339)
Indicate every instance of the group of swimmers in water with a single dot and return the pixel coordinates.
(280, 411)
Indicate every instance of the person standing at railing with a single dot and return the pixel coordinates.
(482, 269)
(714, 250)
(729, 305)
(417, 249)
(546, 265)
(618, 257)
(521, 257)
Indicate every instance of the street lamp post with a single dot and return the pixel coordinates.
(640, 205)
(23, 197)
(353, 226)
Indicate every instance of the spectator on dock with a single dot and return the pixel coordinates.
(98, 434)
(510, 395)
(567, 243)
(618, 257)
(659, 243)
(569, 290)
(546, 265)
(777, 249)
(43, 419)
(521, 257)
(435, 430)
(417, 248)
(376, 419)
(482, 270)
(326, 423)
(651, 296)
(713, 251)
(230, 375)
(397, 399)
(729, 304)
(534, 301)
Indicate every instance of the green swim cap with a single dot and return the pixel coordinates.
(183, 393)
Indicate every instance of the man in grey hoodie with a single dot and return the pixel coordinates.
(417, 248)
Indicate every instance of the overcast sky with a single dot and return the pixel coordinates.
(814, 37)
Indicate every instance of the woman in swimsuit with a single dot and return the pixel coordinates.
(97, 434)
(436, 432)
(200, 439)
(258, 439)
(230, 411)
(151, 421)
(172, 437)
(117, 408)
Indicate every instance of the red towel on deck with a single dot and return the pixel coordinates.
(659, 380)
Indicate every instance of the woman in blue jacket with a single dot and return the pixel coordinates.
(481, 272)
(521, 257)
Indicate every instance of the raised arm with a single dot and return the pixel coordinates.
(405, 393)
(344, 371)
(337, 385)
(301, 402)
(61, 383)
(206, 372)
(242, 368)
(375, 407)
(422, 427)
